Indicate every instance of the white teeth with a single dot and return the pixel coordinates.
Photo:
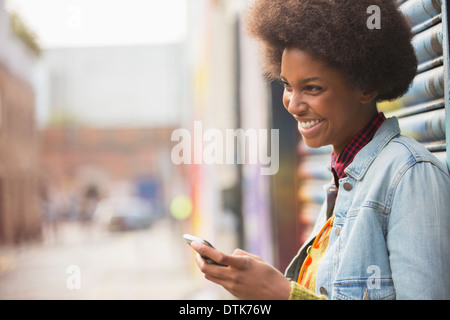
(309, 124)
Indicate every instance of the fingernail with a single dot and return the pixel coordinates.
(195, 245)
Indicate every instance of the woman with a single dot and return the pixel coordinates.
(384, 231)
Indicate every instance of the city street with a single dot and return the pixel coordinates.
(83, 262)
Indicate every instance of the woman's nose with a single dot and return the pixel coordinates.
(294, 104)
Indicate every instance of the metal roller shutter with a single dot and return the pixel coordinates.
(423, 111)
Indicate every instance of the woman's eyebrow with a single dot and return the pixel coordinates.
(310, 80)
(283, 78)
(306, 80)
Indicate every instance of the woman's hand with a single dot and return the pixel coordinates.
(246, 276)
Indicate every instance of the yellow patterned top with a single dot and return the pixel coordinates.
(305, 287)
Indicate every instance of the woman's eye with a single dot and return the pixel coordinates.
(286, 85)
(313, 89)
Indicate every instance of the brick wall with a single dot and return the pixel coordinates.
(19, 203)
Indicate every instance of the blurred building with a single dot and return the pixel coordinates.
(109, 114)
(19, 162)
(112, 162)
(116, 86)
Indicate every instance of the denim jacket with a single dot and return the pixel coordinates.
(391, 232)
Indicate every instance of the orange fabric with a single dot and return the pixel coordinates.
(307, 275)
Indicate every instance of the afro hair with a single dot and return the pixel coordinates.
(336, 31)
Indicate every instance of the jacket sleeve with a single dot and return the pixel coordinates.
(418, 233)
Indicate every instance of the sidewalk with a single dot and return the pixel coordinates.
(146, 264)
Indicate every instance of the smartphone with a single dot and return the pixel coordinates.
(189, 238)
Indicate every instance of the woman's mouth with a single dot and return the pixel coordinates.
(309, 124)
(308, 127)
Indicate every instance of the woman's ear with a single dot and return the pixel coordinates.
(367, 97)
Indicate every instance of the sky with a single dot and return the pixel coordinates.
(74, 23)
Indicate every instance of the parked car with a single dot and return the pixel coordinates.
(125, 213)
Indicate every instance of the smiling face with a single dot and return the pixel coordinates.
(327, 108)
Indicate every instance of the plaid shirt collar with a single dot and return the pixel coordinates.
(342, 161)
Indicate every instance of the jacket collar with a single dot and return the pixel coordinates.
(387, 131)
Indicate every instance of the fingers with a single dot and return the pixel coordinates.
(236, 261)
(208, 252)
(239, 252)
(228, 277)
(209, 270)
